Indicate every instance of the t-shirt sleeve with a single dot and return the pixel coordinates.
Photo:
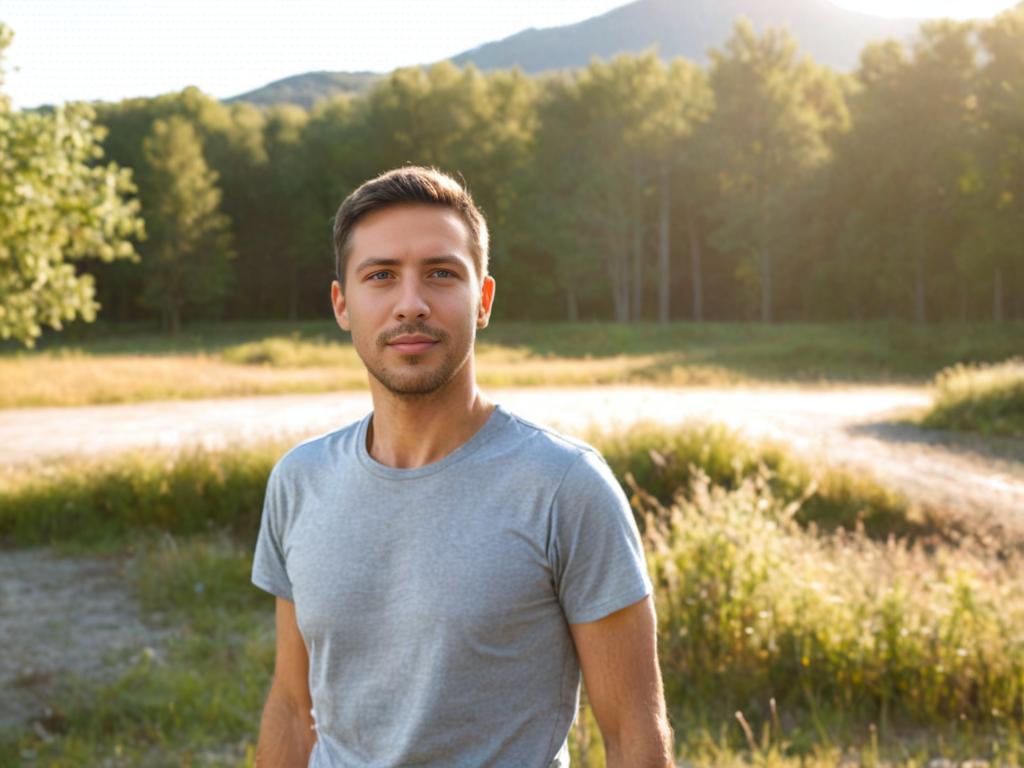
(599, 563)
(269, 570)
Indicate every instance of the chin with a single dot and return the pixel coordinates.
(413, 386)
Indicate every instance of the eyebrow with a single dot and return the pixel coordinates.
(429, 261)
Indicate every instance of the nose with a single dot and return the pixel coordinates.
(411, 302)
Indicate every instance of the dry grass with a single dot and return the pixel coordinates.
(69, 380)
(234, 359)
(65, 379)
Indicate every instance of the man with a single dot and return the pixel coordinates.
(443, 568)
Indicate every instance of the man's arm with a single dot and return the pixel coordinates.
(286, 733)
(619, 659)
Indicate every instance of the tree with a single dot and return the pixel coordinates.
(994, 183)
(289, 200)
(767, 135)
(57, 205)
(684, 105)
(186, 257)
(596, 155)
(905, 158)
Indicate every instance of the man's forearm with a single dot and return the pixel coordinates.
(651, 748)
(286, 735)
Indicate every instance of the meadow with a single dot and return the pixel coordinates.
(106, 365)
(806, 616)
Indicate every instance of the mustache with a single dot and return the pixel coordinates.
(408, 329)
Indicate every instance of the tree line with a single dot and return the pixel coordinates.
(762, 186)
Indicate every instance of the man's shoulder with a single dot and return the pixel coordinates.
(318, 453)
(549, 446)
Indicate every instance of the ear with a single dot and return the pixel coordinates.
(340, 306)
(483, 314)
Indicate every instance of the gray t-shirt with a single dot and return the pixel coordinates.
(434, 602)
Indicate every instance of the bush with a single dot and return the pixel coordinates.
(980, 398)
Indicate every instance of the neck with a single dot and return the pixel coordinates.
(412, 431)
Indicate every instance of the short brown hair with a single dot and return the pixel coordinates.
(409, 184)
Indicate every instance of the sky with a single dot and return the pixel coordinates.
(66, 50)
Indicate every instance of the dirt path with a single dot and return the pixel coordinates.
(858, 427)
(45, 601)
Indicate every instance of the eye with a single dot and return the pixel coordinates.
(379, 276)
(444, 273)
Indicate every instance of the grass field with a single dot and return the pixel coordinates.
(130, 365)
(818, 605)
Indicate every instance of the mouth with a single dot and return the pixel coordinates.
(412, 345)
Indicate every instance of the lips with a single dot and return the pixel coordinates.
(412, 345)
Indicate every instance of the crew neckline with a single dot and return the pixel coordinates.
(498, 417)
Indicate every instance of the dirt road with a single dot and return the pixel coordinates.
(857, 427)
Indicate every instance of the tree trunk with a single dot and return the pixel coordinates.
(695, 269)
(919, 308)
(997, 296)
(621, 298)
(638, 246)
(293, 292)
(618, 272)
(664, 251)
(766, 285)
(572, 306)
(637, 280)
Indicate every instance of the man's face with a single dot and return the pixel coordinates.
(412, 298)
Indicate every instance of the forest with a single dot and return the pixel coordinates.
(760, 187)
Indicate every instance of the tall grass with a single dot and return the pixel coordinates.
(980, 398)
(663, 460)
(835, 649)
(191, 491)
(754, 607)
(105, 501)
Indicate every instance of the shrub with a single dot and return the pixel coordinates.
(981, 398)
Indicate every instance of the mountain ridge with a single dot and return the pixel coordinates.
(689, 28)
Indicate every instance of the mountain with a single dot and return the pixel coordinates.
(832, 35)
(689, 28)
(308, 88)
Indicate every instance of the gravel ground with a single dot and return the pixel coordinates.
(61, 615)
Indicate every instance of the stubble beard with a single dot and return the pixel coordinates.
(430, 379)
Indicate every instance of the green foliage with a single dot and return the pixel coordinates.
(762, 186)
(58, 204)
(189, 238)
(980, 398)
(768, 134)
(611, 139)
